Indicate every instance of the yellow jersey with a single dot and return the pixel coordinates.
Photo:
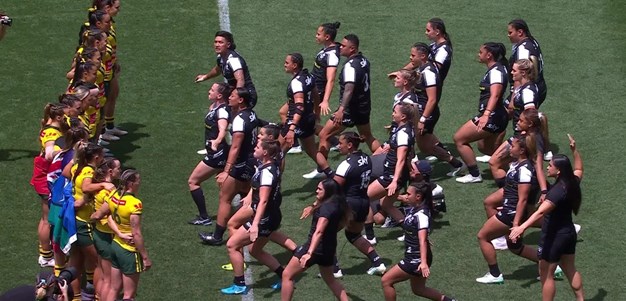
(47, 134)
(102, 197)
(122, 207)
(108, 60)
(84, 212)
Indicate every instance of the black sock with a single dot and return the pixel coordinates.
(279, 272)
(374, 258)
(369, 230)
(333, 140)
(109, 123)
(240, 280)
(473, 170)
(500, 182)
(494, 270)
(198, 197)
(328, 172)
(296, 142)
(455, 162)
(219, 232)
(335, 265)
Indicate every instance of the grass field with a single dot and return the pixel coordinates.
(164, 44)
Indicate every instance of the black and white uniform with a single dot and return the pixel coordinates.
(302, 82)
(442, 54)
(524, 97)
(526, 49)
(402, 136)
(356, 71)
(429, 78)
(266, 175)
(498, 118)
(244, 122)
(233, 62)
(416, 219)
(325, 58)
(215, 159)
(356, 171)
(518, 173)
(558, 235)
(325, 252)
(400, 98)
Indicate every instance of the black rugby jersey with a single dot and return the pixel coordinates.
(267, 175)
(300, 83)
(402, 136)
(357, 71)
(330, 210)
(245, 122)
(497, 74)
(442, 54)
(211, 128)
(233, 62)
(410, 98)
(429, 78)
(524, 97)
(526, 49)
(356, 171)
(518, 173)
(416, 219)
(560, 219)
(326, 57)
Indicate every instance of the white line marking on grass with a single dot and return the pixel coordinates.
(224, 15)
(248, 275)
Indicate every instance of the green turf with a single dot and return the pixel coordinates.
(163, 45)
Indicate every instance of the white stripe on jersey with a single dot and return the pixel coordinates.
(222, 113)
(238, 124)
(422, 220)
(342, 169)
(430, 79)
(525, 175)
(528, 98)
(495, 77)
(234, 62)
(333, 59)
(296, 86)
(349, 73)
(266, 177)
(441, 55)
(402, 138)
(522, 52)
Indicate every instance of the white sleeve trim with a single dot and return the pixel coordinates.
(430, 79)
(441, 55)
(402, 138)
(238, 124)
(267, 178)
(422, 219)
(522, 52)
(234, 62)
(528, 98)
(349, 73)
(296, 86)
(525, 175)
(333, 59)
(222, 113)
(342, 169)
(495, 77)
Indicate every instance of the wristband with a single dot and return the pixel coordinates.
(545, 191)
(422, 119)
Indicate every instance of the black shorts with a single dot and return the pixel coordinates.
(552, 247)
(410, 265)
(253, 98)
(375, 206)
(267, 225)
(355, 116)
(305, 129)
(506, 217)
(386, 179)
(360, 208)
(323, 260)
(496, 124)
(216, 159)
(107, 89)
(431, 121)
(242, 171)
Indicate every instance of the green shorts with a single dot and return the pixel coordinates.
(84, 234)
(126, 261)
(103, 240)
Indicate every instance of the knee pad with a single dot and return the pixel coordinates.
(351, 236)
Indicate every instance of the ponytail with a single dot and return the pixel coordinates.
(331, 29)
(84, 154)
(353, 138)
(51, 111)
(438, 24)
(127, 177)
(498, 51)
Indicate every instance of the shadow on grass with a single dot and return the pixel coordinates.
(16, 154)
(123, 148)
(308, 187)
(600, 295)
